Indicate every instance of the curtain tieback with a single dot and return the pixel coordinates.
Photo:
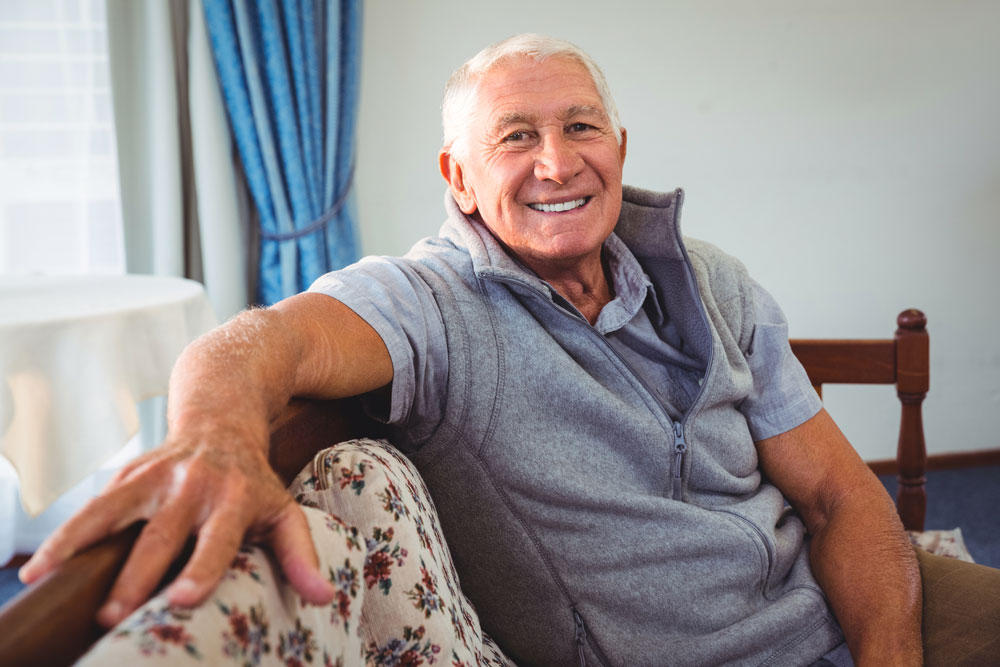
(319, 222)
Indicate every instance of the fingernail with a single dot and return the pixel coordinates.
(182, 591)
(324, 591)
(111, 614)
(31, 570)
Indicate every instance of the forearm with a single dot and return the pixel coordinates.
(239, 374)
(243, 373)
(859, 553)
(866, 566)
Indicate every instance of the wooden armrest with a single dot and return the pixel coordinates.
(64, 603)
(308, 426)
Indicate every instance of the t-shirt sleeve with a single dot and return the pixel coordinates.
(782, 396)
(391, 297)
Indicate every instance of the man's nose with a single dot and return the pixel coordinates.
(557, 160)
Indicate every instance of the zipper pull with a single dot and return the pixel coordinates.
(581, 637)
(680, 446)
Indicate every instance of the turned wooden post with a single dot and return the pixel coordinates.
(912, 383)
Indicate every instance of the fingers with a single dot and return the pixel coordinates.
(292, 544)
(98, 518)
(219, 539)
(218, 500)
(159, 543)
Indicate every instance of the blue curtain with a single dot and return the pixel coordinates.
(289, 71)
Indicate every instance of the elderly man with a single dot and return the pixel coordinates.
(609, 418)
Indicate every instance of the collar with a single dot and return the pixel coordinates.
(631, 286)
(647, 228)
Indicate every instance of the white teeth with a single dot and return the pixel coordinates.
(555, 208)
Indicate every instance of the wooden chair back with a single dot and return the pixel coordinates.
(903, 361)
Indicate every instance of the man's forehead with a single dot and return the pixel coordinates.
(519, 90)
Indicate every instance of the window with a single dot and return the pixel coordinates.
(59, 202)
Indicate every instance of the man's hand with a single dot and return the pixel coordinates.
(220, 488)
(211, 477)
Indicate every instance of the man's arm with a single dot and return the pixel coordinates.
(211, 476)
(859, 552)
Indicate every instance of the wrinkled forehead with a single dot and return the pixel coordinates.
(525, 89)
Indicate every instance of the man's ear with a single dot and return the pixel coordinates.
(452, 171)
(622, 146)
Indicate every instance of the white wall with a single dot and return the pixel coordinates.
(848, 152)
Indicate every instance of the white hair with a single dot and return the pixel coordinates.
(460, 93)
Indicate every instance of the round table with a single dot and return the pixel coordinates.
(77, 354)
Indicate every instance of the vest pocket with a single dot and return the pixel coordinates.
(765, 550)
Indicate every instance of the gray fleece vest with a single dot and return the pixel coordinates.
(585, 525)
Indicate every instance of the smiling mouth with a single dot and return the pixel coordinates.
(560, 207)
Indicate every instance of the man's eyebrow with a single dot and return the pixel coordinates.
(585, 110)
(512, 118)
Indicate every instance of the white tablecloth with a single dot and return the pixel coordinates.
(76, 356)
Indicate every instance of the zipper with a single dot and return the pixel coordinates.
(680, 447)
(639, 378)
(581, 637)
(680, 444)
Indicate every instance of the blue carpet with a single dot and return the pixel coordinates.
(10, 585)
(966, 498)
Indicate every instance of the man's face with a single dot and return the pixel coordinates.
(543, 168)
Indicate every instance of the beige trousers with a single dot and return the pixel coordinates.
(961, 623)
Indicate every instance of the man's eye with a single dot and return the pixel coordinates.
(519, 135)
(580, 127)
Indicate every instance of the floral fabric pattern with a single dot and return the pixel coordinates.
(947, 543)
(247, 638)
(414, 612)
(398, 601)
(158, 631)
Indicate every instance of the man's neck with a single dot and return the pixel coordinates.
(585, 284)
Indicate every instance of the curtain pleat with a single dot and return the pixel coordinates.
(349, 76)
(280, 64)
